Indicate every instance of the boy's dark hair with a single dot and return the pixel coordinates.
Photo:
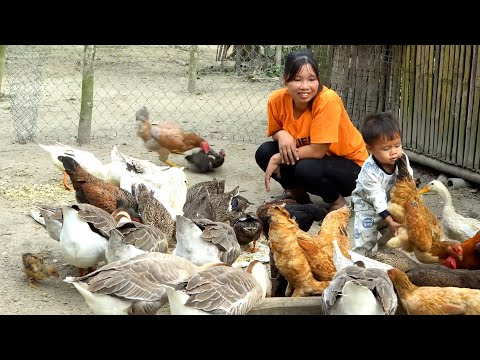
(380, 126)
(294, 62)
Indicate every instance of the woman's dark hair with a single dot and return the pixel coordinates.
(294, 62)
(380, 126)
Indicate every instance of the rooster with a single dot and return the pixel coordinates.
(166, 137)
(466, 255)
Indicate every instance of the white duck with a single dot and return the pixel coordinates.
(84, 236)
(51, 218)
(340, 261)
(110, 172)
(455, 226)
(139, 286)
(202, 241)
(132, 238)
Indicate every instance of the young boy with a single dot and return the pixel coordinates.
(381, 133)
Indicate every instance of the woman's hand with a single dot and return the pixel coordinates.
(272, 168)
(287, 147)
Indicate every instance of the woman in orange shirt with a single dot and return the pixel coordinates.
(316, 148)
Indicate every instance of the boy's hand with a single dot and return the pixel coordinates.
(394, 226)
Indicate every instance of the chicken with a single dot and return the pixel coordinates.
(433, 300)
(404, 190)
(289, 257)
(319, 249)
(466, 255)
(92, 190)
(421, 236)
(440, 275)
(166, 137)
(203, 162)
(454, 225)
(35, 268)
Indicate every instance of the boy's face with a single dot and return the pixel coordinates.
(386, 151)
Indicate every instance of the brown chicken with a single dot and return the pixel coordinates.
(289, 257)
(35, 268)
(432, 300)
(166, 137)
(92, 190)
(421, 231)
(319, 248)
(466, 255)
(421, 237)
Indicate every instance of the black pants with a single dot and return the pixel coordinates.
(327, 177)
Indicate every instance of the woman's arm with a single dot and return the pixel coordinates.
(312, 151)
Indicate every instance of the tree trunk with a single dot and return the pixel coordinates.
(192, 69)
(2, 64)
(85, 124)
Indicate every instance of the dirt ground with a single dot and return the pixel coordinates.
(28, 177)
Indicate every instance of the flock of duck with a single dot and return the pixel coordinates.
(142, 238)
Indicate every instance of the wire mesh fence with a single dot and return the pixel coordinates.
(224, 96)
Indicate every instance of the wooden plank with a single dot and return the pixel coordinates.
(458, 100)
(411, 94)
(429, 99)
(416, 98)
(443, 98)
(453, 98)
(448, 100)
(471, 87)
(423, 98)
(439, 107)
(394, 101)
(433, 121)
(464, 106)
(474, 123)
(404, 95)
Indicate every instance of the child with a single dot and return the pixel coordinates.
(381, 133)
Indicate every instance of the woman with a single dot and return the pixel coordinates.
(316, 148)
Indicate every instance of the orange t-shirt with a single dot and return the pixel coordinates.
(326, 122)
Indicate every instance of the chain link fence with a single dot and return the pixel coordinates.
(224, 99)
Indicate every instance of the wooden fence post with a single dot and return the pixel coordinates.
(192, 69)
(85, 123)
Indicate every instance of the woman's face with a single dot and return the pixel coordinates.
(304, 86)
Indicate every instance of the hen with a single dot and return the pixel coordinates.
(289, 257)
(319, 249)
(92, 190)
(166, 137)
(421, 236)
(432, 300)
(35, 268)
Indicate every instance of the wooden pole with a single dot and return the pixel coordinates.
(85, 123)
